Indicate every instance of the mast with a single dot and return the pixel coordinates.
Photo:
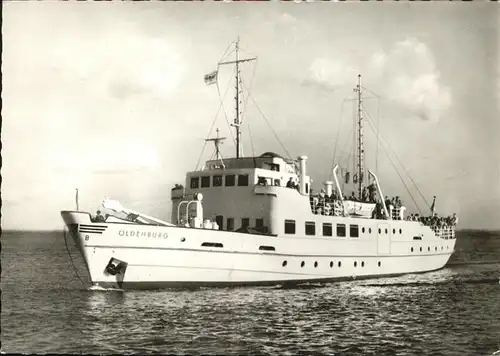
(217, 142)
(360, 138)
(237, 119)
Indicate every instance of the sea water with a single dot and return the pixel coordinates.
(47, 309)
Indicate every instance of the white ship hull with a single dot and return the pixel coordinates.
(163, 256)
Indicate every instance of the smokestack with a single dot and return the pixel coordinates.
(302, 177)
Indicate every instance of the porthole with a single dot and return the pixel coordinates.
(400, 231)
(379, 263)
(441, 248)
(386, 231)
(435, 248)
(284, 263)
(420, 249)
(362, 263)
(447, 247)
(363, 230)
(302, 264)
(412, 249)
(379, 231)
(369, 230)
(340, 264)
(355, 264)
(428, 249)
(331, 264)
(315, 264)
(393, 231)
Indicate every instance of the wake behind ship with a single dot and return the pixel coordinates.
(257, 221)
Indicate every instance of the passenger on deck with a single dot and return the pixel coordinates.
(99, 217)
(387, 201)
(371, 192)
(364, 194)
(352, 197)
(290, 183)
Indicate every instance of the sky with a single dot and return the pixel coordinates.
(109, 98)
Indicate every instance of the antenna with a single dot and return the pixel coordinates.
(361, 151)
(237, 120)
(217, 142)
(76, 200)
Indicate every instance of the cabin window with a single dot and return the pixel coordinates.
(274, 167)
(310, 228)
(212, 244)
(259, 223)
(217, 181)
(205, 181)
(307, 188)
(354, 230)
(341, 230)
(195, 182)
(230, 224)
(230, 179)
(242, 180)
(289, 226)
(219, 219)
(245, 222)
(277, 182)
(267, 248)
(327, 229)
(262, 181)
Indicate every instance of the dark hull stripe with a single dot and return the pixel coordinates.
(210, 250)
(94, 226)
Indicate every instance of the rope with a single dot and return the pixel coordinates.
(212, 126)
(337, 136)
(225, 113)
(392, 162)
(404, 168)
(251, 144)
(69, 254)
(265, 119)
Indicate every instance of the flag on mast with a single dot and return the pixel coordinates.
(211, 78)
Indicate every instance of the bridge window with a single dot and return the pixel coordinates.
(341, 230)
(205, 181)
(217, 181)
(327, 229)
(230, 224)
(245, 222)
(195, 182)
(310, 228)
(230, 180)
(242, 180)
(354, 230)
(289, 226)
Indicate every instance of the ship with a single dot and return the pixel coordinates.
(255, 220)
